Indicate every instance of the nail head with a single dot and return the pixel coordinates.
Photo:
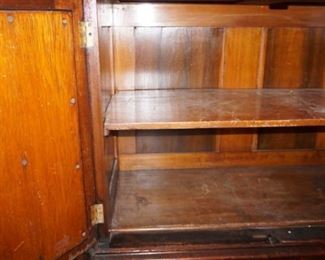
(10, 18)
(24, 162)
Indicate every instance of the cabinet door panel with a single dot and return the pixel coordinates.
(42, 201)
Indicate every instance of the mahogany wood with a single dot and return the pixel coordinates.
(216, 15)
(173, 141)
(199, 56)
(289, 69)
(42, 190)
(292, 252)
(39, 4)
(132, 162)
(243, 52)
(180, 109)
(219, 198)
(85, 125)
(95, 96)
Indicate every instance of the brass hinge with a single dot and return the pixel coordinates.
(97, 214)
(86, 34)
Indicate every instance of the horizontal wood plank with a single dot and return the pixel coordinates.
(131, 162)
(38, 4)
(215, 108)
(214, 15)
(220, 198)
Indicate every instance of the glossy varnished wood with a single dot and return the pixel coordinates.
(215, 15)
(179, 109)
(243, 52)
(290, 64)
(220, 198)
(205, 57)
(42, 190)
(131, 162)
(38, 4)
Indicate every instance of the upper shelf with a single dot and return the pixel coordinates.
(215, 108)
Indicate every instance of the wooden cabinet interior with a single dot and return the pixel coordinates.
(199, 127)
(217, 117)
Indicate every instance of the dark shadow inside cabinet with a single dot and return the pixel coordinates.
(215, 121)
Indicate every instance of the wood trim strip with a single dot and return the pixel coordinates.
(216, 15)
(132, 162)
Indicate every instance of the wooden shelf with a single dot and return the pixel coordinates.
(219, 198)
(215, 108)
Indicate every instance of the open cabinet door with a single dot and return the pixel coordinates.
(42, 190)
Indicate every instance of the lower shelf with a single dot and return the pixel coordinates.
(219, 199)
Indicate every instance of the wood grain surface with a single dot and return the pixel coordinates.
(219, 198)
(181, 109)
(181, 160)
(198, 55)
(42, 192)
(209, 15)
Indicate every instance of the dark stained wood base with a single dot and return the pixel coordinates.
(220, 198)
(299, 243)
(226, 212)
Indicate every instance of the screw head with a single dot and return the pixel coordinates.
(77, 166)
(10, 18)
(73, 101)
(83, 234)
(24, 162)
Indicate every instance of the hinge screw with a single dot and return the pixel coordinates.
(64, 21)
(73, 101)
(77, 166)
(83, 234)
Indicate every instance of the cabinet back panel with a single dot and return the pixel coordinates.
(176, 50)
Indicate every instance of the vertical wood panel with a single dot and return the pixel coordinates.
(242, 55)
(147, 59)
(316, 69)
(43, 196)
(205, 49)
(126, 142)
(124, 67)
(286, 56)
(289, 64)
(286, 138)
(175, 58)
(104, 35)
(174, 55)
(124, 59)
(170, 141)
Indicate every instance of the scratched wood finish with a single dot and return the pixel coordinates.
(190, 55)
(42, 189)
(291, 63)
(141, 52)
(243, 50)
(181, 109)
(220, 198)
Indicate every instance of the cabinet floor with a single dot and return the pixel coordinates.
(220, 198)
